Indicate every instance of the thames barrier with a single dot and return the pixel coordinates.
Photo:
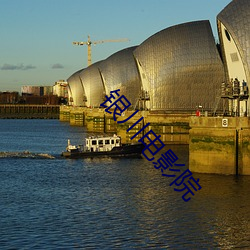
(174, 75)
(218, 145)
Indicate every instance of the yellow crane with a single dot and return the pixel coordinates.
(89, 43)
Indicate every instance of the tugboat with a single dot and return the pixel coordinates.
(103, 146)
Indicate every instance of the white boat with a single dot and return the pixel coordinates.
(103, 146)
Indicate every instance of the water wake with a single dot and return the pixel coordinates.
(26, 154)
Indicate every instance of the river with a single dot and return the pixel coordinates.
(56, 203)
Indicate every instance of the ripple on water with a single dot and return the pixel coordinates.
(109, 203)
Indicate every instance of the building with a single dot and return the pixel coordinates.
(38, 95)
(92, 85)
(76, 92)
(60, 89)
(234, 33)
(9, 97)
(175, 70)
(178, 69)
(37, 90)
(119, 71)
(31, 90)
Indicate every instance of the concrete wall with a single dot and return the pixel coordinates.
(64, 113)
(24, 111)
(214, 147)
(172, 128)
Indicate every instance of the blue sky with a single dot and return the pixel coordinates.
(36, 35)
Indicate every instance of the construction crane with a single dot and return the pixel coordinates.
(89, 43)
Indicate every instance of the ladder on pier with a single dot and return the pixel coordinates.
(217, 101)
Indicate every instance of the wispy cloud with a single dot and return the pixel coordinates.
(57, 66)
(21, 66)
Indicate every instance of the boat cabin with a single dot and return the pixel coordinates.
(105, 143)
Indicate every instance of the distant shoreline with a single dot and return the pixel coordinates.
(24, 111)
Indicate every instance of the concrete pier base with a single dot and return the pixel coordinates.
(174, 129)
(76, 118)
(64, 113)
(219, 145)
(216, 144)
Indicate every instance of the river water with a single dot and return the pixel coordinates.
(108, 203)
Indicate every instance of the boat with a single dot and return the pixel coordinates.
(103, 146)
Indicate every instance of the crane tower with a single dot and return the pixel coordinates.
(89, 43)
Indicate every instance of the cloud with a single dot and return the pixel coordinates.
(57, 66)
(7, 66)
(28, 67)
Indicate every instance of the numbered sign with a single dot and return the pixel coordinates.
(225, 123)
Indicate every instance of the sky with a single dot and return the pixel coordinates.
(36, 35)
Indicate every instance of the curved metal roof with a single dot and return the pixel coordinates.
(93, 85)
(119, 71)
(181, 67)
(236, 18)
(76, 91)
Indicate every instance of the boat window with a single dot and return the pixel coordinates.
(94, 142)
(112, 141)
(100, 142)
(107, 142)
(117, 141)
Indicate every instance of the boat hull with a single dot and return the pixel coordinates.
(129, 150)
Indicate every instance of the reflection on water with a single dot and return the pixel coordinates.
(228, 210)
(109, 203)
